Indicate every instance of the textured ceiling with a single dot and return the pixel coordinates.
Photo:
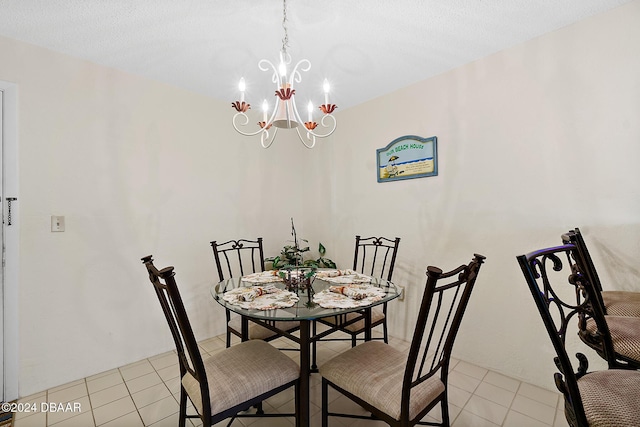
(365, 48)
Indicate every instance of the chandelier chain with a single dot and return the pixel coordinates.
(285, 40)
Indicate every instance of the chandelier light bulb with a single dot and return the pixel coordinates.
(326, 88)
(242, 86)
(310, 110)
(265, 109)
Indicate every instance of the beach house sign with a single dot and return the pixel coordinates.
(408, 157)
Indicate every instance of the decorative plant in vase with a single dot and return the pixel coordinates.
(294, 269)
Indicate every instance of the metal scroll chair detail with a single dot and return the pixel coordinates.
(397, 388)
(212, 384)
(375, 257)
(616, 303)
(235, 258)
(615, 338)
(599, 398)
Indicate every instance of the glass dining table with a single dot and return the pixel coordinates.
(264, 300)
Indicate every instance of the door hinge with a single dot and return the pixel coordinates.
(9, 200)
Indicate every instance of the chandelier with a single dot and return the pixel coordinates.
(284, 114)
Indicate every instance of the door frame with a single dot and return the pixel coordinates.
(11, 238)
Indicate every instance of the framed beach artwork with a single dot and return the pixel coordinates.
(408, 157)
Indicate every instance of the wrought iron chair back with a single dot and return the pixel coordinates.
(546, 271)
(443, 305)
(600, 337)
(189, 357)
(575, 237)
(415, 383)
(236, 258)
(376, 256)
(284, 373)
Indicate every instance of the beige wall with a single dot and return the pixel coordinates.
(137, 168)
(532, 141)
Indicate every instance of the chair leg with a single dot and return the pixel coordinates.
(325, 403)
(385, 332)
(297, 404)
(314, 359)
(353, 340)
(228, 316)
(445, 410)
(259, 410)
(183, 408)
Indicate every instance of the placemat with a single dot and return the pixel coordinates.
(270, 276)
(343, 276)
(266, 298)
(335, 297)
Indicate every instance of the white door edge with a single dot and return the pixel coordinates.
(11, 237)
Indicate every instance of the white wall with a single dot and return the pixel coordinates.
(532, 141)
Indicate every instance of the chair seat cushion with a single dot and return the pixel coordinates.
(610, 398)
(240, 373)
(622, 303)
(625, 335)
(374, 371)
(258, 332)
(377, 316)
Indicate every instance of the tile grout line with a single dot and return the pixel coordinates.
(164, 383)
(486, 374)
(510, 406)
(93, 416)
(555, 409)
(131, 394)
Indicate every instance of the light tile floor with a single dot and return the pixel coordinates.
(146, 393)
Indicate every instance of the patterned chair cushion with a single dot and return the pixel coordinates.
(625, 334)
(377, 315)
(622, 303)
(611, 398)
(240, 373)
(374, 372)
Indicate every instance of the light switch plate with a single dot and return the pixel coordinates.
(57, 223)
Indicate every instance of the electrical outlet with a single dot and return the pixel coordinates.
(401, 290)
(57, 223)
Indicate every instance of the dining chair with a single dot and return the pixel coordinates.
(235, 258)
(228, 382)
(598, 398)
(375, 257)
(617, 303)
(615, 338)
(397, 388)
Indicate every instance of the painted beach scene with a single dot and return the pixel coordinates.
(409, 157)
